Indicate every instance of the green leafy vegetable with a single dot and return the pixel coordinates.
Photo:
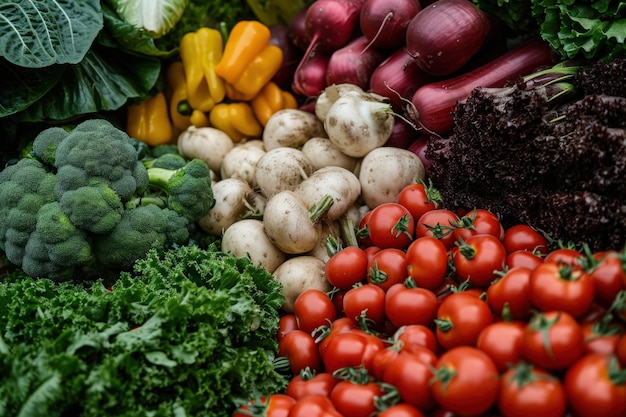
(589, 29)
(43, 33)
(276, 12)
(155, 16)
(188, 334)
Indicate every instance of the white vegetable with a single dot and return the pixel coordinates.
(292, 128)
(359, 122)
(328, 97)
(241, 161)
(282, 169)
(342, 185)
(299, 274)
(322, 152)
(385, 171)
(206, 143)
(292, 225)
(234, 200)
(247, 238)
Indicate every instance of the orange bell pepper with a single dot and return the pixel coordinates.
(270, 100)
(237, 120)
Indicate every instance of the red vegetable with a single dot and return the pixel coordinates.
(434, 102)
(384, 22)
(354, 63)
(445, 35)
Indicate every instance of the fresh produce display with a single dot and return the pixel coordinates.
(350, 208)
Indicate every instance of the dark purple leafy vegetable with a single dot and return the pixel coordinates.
(559, 167)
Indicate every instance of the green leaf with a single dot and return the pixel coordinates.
(102, 81)
(20, 87)
(157, 17)
(37, 34)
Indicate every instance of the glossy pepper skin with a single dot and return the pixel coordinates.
(181, 113)
(237, 120)
(271, 99)
(149, 121)
(200, 52)
(248, 61)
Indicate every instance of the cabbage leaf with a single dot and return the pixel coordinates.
(158, 17)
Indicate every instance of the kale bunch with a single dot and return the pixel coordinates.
(556, 162)
(189, 332)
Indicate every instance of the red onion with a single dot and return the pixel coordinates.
(384, 22)
(397, 78)
(435, 102)
(291, 56)
(445, 35)
(418, 147)
(354, 64)
(310, 77)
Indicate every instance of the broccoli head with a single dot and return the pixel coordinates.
(95, 151)
(167, 161)
(24, 188)
(95, 208)
(141, 229)
(188, 189)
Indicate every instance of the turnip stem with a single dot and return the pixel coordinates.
(320, 209)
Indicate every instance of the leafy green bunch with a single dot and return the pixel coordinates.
(589, 29)
(83, 198)
(190, 332)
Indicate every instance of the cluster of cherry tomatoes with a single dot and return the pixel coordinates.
(438, 313)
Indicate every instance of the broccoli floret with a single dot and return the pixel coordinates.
(45, 145)
(95, 151)
(188, 189)
(141, 229)
(96, 208)
(167, 161)
(66, 244)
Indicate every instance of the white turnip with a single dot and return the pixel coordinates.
(330, 94)
(282, 169)
(299, 274)
(293, 226)
(321, 152)
(291, 128)
(206, 143)
(359, 122)
(247, 238)
(385, 171)
(234, 200)
(340, 184)
(240, 162)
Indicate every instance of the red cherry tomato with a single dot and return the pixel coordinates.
(347, 267)
(460, 319)
(592, 388)
(313, 308)
(353, 349)
(529, 391)
(477, 222)
(502, 341)
(309, 383)
(411, 376)
(478, 258)
(300, 349)
(356, 399)
(391, 225)
(415, 336)
(524, 237)
(365, 305)
(438, 223)
(427, 262)
(419, 198)
(401, 410)
(523, 258)
(314, 406)
(608, 275)
(466, 381)
(406, 305)
(286, 323)
(553, 340)
(557, 286)
(386, 268)
(512, 291)
(276, 405)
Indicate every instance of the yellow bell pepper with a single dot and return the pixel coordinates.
(149, 121)
(237, 120)
(270, 100)
(200, 51)
(248, 61)
(179, 108)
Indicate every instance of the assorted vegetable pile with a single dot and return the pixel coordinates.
(321, 207)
